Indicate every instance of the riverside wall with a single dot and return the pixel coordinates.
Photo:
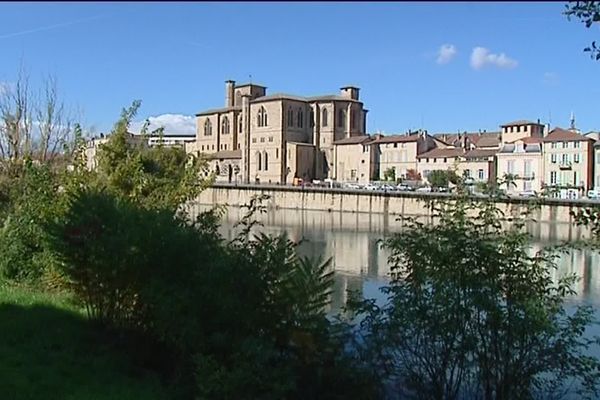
(374, 202)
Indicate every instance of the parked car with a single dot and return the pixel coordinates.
(403, 188)
(370, 187)
(424, 189)
(352, 186)
(528, 193)
(593, 194)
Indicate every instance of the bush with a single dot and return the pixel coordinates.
(32, 199)
(248, 311)
(473, 314)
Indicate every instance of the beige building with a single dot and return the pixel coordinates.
(93, 146)
(469, 154)
(568, 160)
(277, 138)
(524, 160)
(356, 159)
(516, 130)
(400, 152)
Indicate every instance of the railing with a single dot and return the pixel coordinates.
(565, 165)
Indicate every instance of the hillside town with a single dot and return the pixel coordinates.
(283, 139)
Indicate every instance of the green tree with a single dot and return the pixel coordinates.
(472, 312)
(587, 12)
(390, 174)
(441, 178)
(156, 177)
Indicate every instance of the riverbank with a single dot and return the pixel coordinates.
(50, 351)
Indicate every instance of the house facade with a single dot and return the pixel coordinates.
(524, 161)
(356, 159)
(568, 160)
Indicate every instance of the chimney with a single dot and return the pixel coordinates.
(229, 93)
(349, 92)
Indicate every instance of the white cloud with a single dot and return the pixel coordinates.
(445, 54)
(480, 57)
(550, 78)
(173, 124)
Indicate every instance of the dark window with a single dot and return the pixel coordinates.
(324, 117)
(225, 125)
(207, 127)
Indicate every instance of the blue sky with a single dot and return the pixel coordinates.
(175, 57)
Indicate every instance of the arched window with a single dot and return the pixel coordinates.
(261, 117)
(353, 119)
(258, 161)
(225, 125)
(324, 117)
(341, 118)
(300, 119)
(312, 118)
(207, 127)
(290, 117)
(240, 125)
(266, 161)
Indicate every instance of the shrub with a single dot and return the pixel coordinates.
(473, 314)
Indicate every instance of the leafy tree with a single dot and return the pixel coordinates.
(31, 199)
(441, 178)
(390, 174)
(153, 177)
(472, 313)
(587, 12)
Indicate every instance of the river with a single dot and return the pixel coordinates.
(360, 263)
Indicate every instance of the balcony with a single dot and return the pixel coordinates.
(565, 165)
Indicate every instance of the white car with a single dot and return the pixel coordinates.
(528, 193)
(370, 187)
(425, 189)
(593, 194)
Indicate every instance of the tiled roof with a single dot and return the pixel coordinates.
(218, 110)
(479, 139)
(480, 153)
(231, 154)
(521, 122)
(285, 96)
(353, 140)
(529, 140)
(442, 153)
(563, 135)
(398, 138)
(529, 148)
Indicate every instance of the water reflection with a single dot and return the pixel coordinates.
(353, 242)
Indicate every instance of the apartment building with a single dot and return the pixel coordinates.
(524, 161)
(400, 152)
(568, 160)
(356, 159)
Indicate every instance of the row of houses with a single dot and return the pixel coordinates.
(535, 156)
(282, 138)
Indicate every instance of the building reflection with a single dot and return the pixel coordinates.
(352, 241)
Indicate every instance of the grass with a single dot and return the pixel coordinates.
(48, 350)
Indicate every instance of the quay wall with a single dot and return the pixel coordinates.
(375, 202)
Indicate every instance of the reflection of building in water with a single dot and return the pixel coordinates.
(352, 241)
(343, 287)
